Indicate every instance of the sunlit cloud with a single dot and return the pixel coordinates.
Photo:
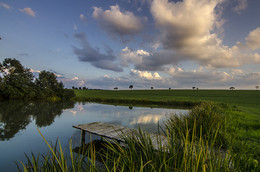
(146, 75)
(118, 22)
(28, 11)
(253, 39)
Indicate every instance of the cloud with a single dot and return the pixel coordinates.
(201, 77)
(83, 18)
(253, 39)
(75, 27)
(146, 75)
(6, 6)
(28, 11)
(187, 33)
(116, 22)
(241, 5)
(24, 54)
(94, 57)
(128, 56)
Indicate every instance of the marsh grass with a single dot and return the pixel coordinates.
(198, 141)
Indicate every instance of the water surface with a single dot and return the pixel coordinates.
(19, 122)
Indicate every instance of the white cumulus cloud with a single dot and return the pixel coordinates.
(118, 22)
(188, 33)
(253, 39)
(146, 75)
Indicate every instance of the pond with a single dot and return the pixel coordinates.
(19, 122)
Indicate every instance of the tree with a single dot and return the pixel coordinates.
(17, 81)
(193, 88)
(256, 87)
(169, 88)
(131, 86)
(232, 88)
(115, 88)
(49, 86)
(151, 88)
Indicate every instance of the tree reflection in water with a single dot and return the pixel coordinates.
(16, 115)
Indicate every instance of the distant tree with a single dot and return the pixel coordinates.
(256, 87)
(79, 88)
(84, 88)
(73, 87)
(151, 88)
(197, 88)
(193, 88)
(169, 88)
(115, 88)
(131, 86)
(232, 88)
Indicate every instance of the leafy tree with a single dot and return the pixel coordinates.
(17, 81)
(116, 88)
(151, 88)
(193, 88)
(256, 87)
(48, 86)
(131, 86)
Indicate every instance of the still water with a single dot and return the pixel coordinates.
(19, 122)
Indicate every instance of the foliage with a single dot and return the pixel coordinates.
(18, 83)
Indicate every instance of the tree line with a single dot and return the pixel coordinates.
(18, 82)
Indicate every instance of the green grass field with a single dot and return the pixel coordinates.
(245, 105)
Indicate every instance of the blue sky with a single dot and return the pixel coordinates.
(160, 43)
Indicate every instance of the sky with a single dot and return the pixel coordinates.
(102, 44)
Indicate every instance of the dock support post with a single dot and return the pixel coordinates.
(82, 138)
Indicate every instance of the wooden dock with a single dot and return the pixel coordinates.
(115, 132)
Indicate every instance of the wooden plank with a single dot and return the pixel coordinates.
(116, 132)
